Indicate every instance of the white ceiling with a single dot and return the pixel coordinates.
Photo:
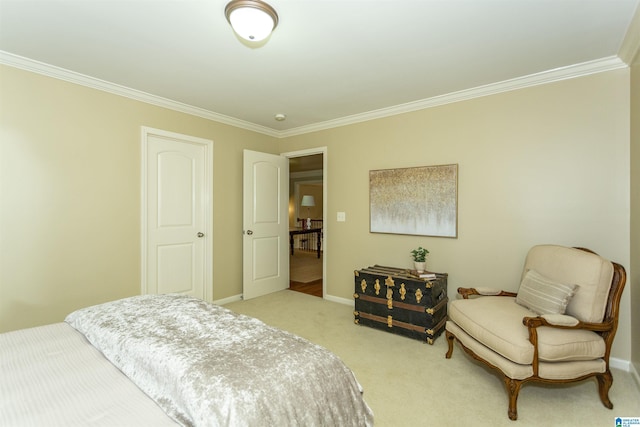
(329, 62)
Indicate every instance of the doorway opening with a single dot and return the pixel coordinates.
(307, 194)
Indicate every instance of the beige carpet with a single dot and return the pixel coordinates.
(305, 266)
(408, 383)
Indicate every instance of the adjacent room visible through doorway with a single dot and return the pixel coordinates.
(306, 273)
(306, 221)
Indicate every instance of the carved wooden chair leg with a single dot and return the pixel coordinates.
(450, 338)
(605, 381)
(513, 388)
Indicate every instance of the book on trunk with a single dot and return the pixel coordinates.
(422, 275)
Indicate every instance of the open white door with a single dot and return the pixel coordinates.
(265, 247)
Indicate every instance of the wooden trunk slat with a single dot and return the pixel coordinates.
(414, 314)
(401, 328)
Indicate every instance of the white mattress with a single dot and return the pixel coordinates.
(51, 376)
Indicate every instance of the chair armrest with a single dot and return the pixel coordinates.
(560, 319)
(563, 321)
(467, 292)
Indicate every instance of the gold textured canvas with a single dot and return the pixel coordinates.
(419, 200)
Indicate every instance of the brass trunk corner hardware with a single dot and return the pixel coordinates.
(389, 282)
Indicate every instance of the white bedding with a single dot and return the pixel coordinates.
(150, 360)
(208, 366)
(51, 376)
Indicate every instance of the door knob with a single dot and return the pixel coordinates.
(249, 232)
(200, 234)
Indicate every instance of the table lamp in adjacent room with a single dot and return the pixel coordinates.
(308, 201)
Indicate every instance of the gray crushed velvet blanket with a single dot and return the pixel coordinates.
(205, 365)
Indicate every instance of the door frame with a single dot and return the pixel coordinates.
(207, 203)
(325, 222)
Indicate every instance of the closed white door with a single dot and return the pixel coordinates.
(265, 224)
(176, 214)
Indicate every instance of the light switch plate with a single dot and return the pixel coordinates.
(341, 217)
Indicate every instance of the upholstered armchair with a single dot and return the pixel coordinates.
(558, 327)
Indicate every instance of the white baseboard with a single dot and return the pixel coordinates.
(623, 365)
(340, 300)
(238, 297)
(228, 300)
(634, 374)
(627, 366)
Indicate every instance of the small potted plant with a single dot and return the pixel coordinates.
(419, 256)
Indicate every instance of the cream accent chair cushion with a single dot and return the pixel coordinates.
(497, 323)
(551, 371)
(560, 329)
(589, 271)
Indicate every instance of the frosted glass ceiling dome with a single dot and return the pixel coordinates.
(253, 20)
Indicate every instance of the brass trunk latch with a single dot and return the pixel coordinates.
(418, 295)
(402, 291)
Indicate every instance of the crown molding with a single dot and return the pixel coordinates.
(630, 48)
(558, 74)
(27, 64)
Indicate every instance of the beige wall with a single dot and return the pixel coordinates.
(634, 280)
(70, 196)
(546, 164)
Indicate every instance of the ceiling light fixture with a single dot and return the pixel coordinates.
(253, 20)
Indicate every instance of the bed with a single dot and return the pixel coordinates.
(167, 360)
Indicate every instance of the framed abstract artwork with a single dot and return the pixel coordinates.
(418, 200)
